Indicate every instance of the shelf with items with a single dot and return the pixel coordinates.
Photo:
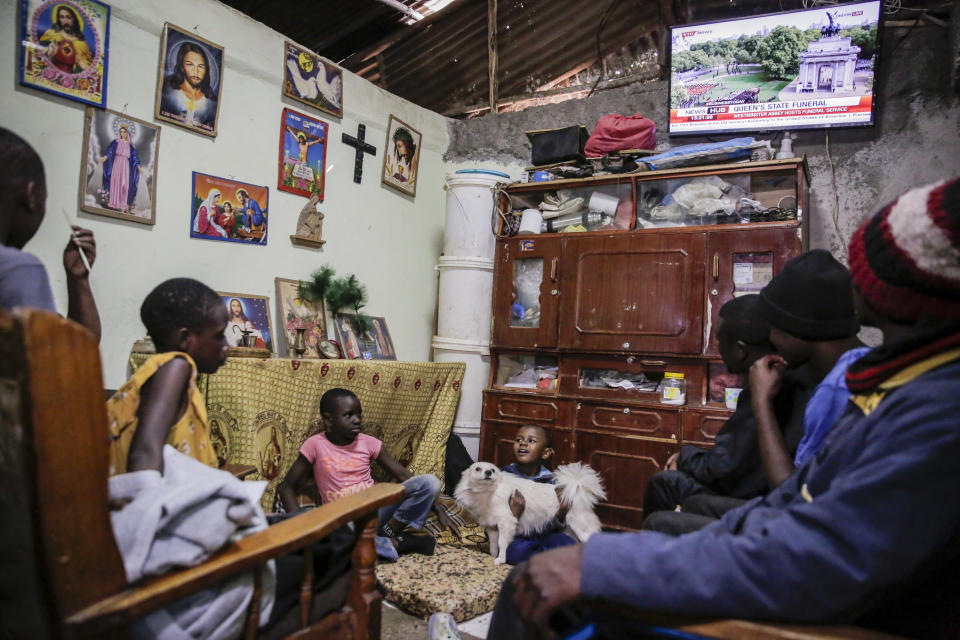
(532, 372)
(629, 378)
(601, 203)
(754, 193)
(737, 193)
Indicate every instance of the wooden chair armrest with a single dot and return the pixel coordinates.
(240, 471)
(255, 550)
(704, 627)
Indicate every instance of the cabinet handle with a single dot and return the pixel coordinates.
(653, 363)
(553, 269)
(716, 266)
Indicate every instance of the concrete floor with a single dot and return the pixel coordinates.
(397, 625)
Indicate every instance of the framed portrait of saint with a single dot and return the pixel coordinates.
(299, 316)
(401, 156)
(64, 48)
(374, 344)
(249, 325)
(118, 168)
(310, 79)
(190, 81)
(228, 210)
(303, 154)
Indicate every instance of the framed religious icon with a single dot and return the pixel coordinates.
(118, 168)
(249, 325)
(303, 154)
(304, 323)
(373, 344)
(190, 81)
(64, 48)
(310, 79)
(401, 156)
(228, 210)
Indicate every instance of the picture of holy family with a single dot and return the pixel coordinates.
(228, 210)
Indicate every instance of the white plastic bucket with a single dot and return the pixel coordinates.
(464, 298)
(476, 355)
(469, 214)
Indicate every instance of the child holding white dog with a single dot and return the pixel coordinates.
(339, 459)
(531, 448)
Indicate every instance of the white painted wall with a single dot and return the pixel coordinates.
(390, 241)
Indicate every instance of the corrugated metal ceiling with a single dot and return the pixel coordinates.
(547, 49)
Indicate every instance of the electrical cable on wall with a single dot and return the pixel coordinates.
(836, 200)
(603, 22)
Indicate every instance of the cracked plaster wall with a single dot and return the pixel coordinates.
(916, 139)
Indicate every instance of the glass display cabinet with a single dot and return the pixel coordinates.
(589, 319)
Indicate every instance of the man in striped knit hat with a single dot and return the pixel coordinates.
(866, 530)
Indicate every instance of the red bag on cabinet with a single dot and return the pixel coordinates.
(614, 132)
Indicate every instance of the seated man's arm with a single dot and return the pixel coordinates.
(873, 524)
(288, 487)
(766, 380)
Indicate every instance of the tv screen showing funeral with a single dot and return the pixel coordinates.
(814, 68)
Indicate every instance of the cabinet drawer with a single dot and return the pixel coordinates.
(701, 427)
(634, 420)
(526, 408)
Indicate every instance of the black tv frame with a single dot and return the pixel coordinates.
(875, 105)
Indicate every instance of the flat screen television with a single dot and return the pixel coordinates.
(813, 68)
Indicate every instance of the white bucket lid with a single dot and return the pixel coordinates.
(476, 178)
(461, 262)
(454, 344)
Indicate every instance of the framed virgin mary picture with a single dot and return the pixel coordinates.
(303, 154)
(64, 47)
(401, 157)
(118, 168)
(190, 81)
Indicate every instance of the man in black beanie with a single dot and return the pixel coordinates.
(809, 306)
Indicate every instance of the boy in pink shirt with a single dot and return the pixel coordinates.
(339, 458)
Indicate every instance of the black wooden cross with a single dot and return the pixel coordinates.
(362, 147)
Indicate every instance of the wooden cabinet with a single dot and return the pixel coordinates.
(586, 325)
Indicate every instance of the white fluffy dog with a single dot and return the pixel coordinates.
(486, 492)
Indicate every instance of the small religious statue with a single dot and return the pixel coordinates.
(309, 225)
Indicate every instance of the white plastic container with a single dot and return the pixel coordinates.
(673, 390)
(464, 298)
(469, 214)
(476, 355)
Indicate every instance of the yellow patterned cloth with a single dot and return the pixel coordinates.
(188, 435)
(259, 412)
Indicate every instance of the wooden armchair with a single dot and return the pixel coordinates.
(53, 467)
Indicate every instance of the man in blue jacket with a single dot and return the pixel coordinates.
(868, 528)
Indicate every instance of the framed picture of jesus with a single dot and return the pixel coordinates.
(303, 154)
(64, 46)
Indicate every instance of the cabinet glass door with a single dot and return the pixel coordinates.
(740, 263)
(526, 291)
